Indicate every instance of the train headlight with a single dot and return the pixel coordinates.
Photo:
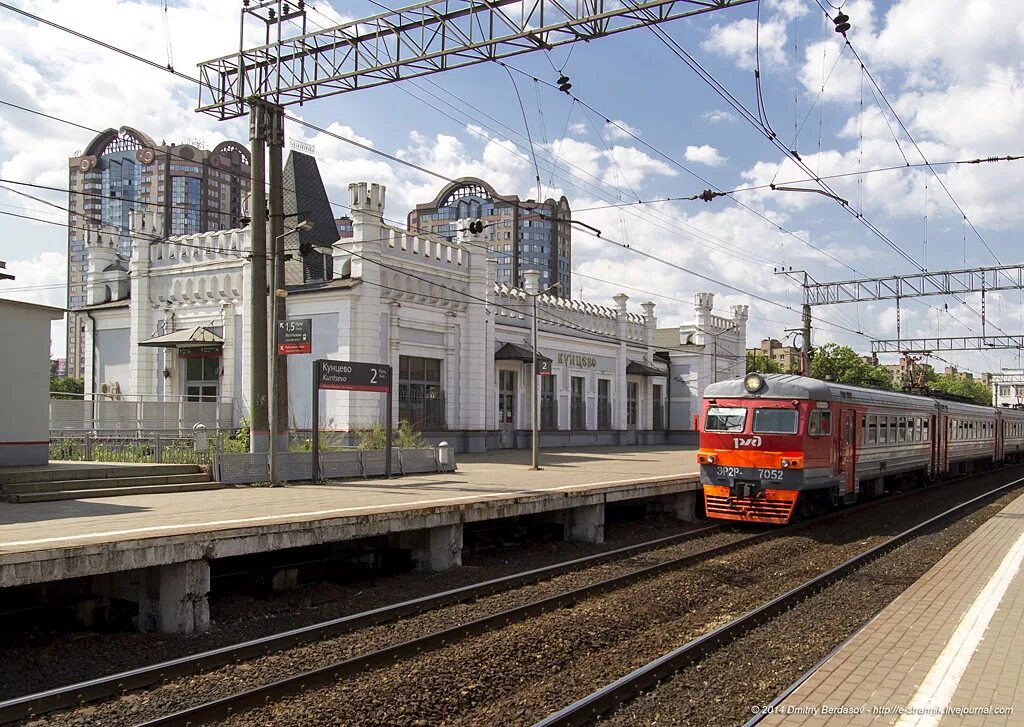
(711, 459)
(785, 463)
(753, 383)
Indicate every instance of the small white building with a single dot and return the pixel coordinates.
(1008, 388)
(172, 328)
(711, 349)
(25, 382)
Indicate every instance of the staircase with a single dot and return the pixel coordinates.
(67, 481)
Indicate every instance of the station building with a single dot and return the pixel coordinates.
(172, 325)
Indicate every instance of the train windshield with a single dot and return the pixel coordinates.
(776, 421)
(725, 419)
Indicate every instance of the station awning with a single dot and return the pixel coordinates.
(634, 368)
(512, 352)
(198, 336)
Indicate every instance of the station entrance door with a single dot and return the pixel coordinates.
(507, 408)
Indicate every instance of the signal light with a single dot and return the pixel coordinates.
(842, 21)
(563, 83)
(306, 249)
(476, 227)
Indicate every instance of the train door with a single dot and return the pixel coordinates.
(997, 425)
(848, 452)
(935, 437)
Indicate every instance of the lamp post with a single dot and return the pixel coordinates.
(277, 256)
(534, 285)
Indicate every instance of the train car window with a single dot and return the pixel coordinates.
(892, 429)
(872, 429)
(883, 426)
(917, 429)
(901, 433)
(776, 421)
(818, 425)
(926, 430)
(725, 419)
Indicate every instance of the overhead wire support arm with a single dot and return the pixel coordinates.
(937, 282)
(418, 40)
(953, 343)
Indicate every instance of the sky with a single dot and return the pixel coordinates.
(941, 81)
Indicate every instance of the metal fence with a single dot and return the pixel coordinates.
(154, 448)
(120, 415)
(246, 468)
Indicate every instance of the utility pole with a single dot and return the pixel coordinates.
(805, 342)
(258, 424)
(279, 370)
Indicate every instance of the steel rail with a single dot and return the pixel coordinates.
(259, 696)
(606, 699)
(115, 684)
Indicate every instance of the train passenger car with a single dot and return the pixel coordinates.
(773, 443)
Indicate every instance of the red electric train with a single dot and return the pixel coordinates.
(775, 444)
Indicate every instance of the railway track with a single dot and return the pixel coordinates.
(612, 696)
(79, 694)
(233, 704)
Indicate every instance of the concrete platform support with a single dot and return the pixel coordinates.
(433, 549)
(183, 597)
(585, 524)
(682, 506)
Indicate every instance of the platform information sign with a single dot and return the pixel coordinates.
(350, 376)
(295, 335)
(353, 376)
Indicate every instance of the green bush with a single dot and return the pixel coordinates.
(239, 443)
(403, 436)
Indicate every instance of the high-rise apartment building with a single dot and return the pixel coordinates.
(523, 235)
(193, 189)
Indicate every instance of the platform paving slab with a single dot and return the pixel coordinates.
(949, 651)
(54, 540)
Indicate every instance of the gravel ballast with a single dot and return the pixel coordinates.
(522, 672)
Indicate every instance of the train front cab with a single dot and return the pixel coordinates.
(755, 457)
(759, 456)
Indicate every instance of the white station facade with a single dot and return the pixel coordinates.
(172, 325)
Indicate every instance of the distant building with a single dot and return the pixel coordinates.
(525, 235)
(1008, 388)
(787, 357)
(194, 191)
(344, 225)
(956, 373)
(902, 371)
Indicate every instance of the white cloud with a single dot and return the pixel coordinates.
(704, 154)
(577, 128)
(718, 116)
(741, 39)
(632, 166)
(619, 129)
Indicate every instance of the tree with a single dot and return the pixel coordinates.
(843, 365)
(63, 388)
(759, 363)
(970, 389)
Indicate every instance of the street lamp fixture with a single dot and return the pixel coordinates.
(279, 294)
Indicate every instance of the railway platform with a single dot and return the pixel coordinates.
(157, 548)
(949, 651)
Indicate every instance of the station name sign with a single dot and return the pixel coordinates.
(575, 359)
(352, 376)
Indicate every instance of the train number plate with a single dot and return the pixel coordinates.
(775, 475)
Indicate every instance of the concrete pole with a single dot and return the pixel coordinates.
(278, 379)
(258, 424)
(805, 344)
(534, 464)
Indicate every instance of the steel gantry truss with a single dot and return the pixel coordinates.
(916, 285)
(414, 41)
(955, 343)
(894, 287)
